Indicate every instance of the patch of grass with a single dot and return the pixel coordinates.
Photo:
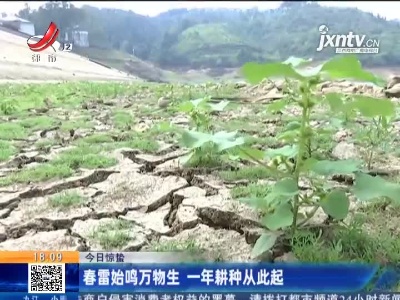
(256, 190)
(135, 140)
(164, 131)
(347, 244)
(38, 123)
(6, 150)
(188, 246)
(84, 157)
(146, 145)
(264, 142)
(172, 246)
(209, 161)
(113, 235)
(96, 139)
(252, 174)
(244, 124)
(132, 140)
(82, 123)
(206, 157)
(44, 144)
(122, 119)
(12, 131)
(40, 173)
(147, 111)
(66, 200)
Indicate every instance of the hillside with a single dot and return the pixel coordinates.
(223, 38)
(16, 64)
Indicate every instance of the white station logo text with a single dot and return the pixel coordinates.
(346, 43)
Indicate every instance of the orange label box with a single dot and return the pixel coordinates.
(37, 257)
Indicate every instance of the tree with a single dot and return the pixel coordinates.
(63, 13)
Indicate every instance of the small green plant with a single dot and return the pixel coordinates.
(376, 132)
(8, 106)
(206, 149)
(66, 200)
(113, 234)
(377, 136)
(200, 111)
(282, 207)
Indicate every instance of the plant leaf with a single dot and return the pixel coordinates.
(294, 125)
(186, 158)
(194, 139)
(282, 217)
(296, 61)
(198, 102)
(368, 188)
(186, 107)
(335, 101)
(277, 106)
(349, 67)
(251, 153)
(328, 167)
(310, 72)
(264, 243)
(225, 135)
(219, 106)
(288, 151)
(286, 187)
(255, 202)
(255, 73)
(336, 204)
(371, 107)
(226, 140)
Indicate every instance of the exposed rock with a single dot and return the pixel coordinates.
(268, 90)
(131, 191)
(341, 135)
(344, 150)
(274, 94)
(214, 244)
(155, 220)
(102, 235)
(394, 91)
(393, 80)
(217, 211)
(53, 240)
(190, 192)
(163, 102)
(286, 258)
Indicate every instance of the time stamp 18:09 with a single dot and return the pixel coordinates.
(39, 43)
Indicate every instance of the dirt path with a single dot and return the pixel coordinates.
(16, 64)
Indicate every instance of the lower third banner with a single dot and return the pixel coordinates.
(227, 277)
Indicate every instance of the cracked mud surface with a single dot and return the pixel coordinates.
(140, 198)
(158, 209)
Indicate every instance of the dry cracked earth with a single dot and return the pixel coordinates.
(90, 168)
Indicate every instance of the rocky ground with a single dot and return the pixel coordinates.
(95, 166)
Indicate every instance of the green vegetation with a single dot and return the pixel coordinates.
(113, 234)
(282, 203)
(67, 200)
(219, 38)
(272, 157)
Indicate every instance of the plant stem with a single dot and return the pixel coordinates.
(311, 214)
(299, 159)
